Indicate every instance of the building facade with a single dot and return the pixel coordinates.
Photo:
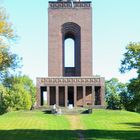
(75, 85)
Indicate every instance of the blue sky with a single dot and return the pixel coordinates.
(115, 24)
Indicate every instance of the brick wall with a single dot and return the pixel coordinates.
(56, 18)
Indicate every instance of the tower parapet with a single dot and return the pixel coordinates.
(69, 4)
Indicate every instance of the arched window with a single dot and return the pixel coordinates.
(69, 53)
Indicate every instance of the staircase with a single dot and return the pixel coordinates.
(66, 110)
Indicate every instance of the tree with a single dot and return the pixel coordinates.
(3, 106)
(134, 92)
(132, 61)
(17, 98)
(114, 92)
(21, 84)
(8, 61)
(131, 58)
(17, 93)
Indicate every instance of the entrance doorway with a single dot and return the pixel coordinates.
(71, 95)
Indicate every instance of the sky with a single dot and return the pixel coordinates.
(115, 24)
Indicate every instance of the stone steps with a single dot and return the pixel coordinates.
(64, 110)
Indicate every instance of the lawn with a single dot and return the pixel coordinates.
(102, 124)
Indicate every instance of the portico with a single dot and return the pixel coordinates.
(77, 91)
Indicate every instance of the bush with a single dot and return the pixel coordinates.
(18, 98)
(19, 94)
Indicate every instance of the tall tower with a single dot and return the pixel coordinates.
(70, 19)
(75, 85)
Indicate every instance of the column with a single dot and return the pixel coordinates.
(66, 96)
(38, 96)
(48, 95)
(38, 93)
(57, 95)
(102, 96)
(93, 95)
(84, 95)
(102, 91)
(75, 96)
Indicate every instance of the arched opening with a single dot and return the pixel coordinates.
(69, 53)
(71, 37)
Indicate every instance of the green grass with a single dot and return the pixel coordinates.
(33, 125)
(102, 124)
(112, 125)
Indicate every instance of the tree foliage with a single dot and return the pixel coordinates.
(20, 84)
(17, 98)
(3, 106)
(131, 61)
(131, 58)
(9, 62)
(115, 91)
(16, 92)
(6, 29)
(19, 93)
(134, 92)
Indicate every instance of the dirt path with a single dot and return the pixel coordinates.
(76, 125)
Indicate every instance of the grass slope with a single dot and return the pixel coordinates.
(102, 124)
(107, 124)
(34, 125)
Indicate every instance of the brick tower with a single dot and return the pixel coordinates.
(69, 19)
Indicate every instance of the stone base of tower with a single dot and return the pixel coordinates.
(78, 91)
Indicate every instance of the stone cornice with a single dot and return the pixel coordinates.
(69, 80)
(62, 5)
